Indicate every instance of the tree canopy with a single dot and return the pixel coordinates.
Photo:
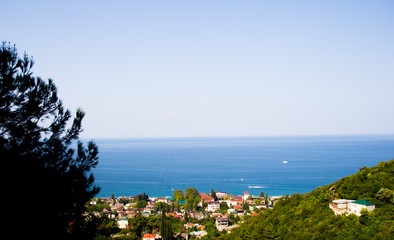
(308, 216)
(39, 142)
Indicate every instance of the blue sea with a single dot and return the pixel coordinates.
(256, 164)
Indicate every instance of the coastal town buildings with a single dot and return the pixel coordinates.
(123, 209)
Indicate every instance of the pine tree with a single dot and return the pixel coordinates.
(37, 145)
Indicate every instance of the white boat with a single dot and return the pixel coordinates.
(284, 162)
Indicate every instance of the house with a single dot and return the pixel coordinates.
(199, 215)
(189, 225)
(246, 195)
(162, 199)
(356, 206)
(213, 206)
(341, 206)
(199, 234)
(221, 221)
(182, 236)
(149, 236)
(221, 195)
(205, 197)
(123, 223)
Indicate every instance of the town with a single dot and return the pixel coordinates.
(193, 215)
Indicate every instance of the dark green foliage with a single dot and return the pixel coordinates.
(143, 196)
(191, 193)
(213, 195)
(308, 216)
(36, 140)
(141, 204)
(165, 227)
(223, 206)
(385, 194)
(138, 225)
(178, 195)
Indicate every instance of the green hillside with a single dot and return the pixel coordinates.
(308, 216)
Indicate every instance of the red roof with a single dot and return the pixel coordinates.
(205, 196)
(149, 235)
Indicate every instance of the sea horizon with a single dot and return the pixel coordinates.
(276, 165)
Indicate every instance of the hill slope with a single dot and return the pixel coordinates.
(308, 216)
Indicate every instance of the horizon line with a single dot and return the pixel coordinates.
(239, 136)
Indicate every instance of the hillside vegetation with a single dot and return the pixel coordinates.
(308, 216)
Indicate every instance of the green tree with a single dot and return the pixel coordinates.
(245, 206)
(138, 225)
(143, 196)
(223, 206)
(266, 199)
(141, 204)
(38, 142)
(191, 193)
(178, 195)
(165, 227)
(213, 195)
(386, 194)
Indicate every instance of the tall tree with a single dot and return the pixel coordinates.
(178, 195)
(191, 193)
(213, 195)
(165, 226)
(36, 144)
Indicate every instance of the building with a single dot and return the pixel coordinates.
(149, 236)
(221, 195)
(246, 195)
(213, 206)
(123, 223)
(341, 206)
(199, 234)
(221, 221)
(161, 199)
(356, 206)
(205, 197)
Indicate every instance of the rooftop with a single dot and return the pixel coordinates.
(364, 202)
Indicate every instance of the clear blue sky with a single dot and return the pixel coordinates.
(214, 68)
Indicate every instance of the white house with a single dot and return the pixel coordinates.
(246, 195)
(122, 223)
(199, 234)
(221, 194)
(341, 206)
(221, 221)
(213, 206)
(356, 206)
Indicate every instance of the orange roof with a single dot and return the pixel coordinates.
(255, 214)
(149, 235)
(205, 196)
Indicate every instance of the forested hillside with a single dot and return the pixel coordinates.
(308, 216)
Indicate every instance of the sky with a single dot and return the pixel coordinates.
(146, 69)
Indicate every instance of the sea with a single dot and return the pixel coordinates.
(273, 165)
